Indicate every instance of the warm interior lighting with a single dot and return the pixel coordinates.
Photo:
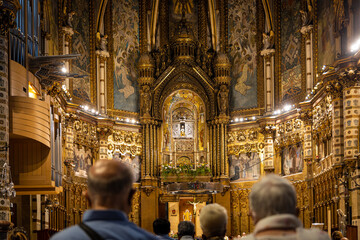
(33, 93)
(64, 70)
(355, 47)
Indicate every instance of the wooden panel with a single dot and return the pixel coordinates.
(17, 79)
(31, 166)
(30, 118)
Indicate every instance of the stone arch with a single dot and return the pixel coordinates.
(184, 77)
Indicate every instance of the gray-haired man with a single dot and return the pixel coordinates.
(273, 209)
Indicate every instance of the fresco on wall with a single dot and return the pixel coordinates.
(292, 159)
(81, 45)
(132, 162)
(326, 33)
(242, 42)
(126, 54)
(191, 15)
(290, 49)
(245, 167)
(82, 160)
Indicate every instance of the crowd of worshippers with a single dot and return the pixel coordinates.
(110, 191)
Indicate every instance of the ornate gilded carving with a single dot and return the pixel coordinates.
(350, 76)
(8, 9)
(245, 141)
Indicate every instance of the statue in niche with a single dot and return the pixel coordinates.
(268, 40)
(68, 19)
(145, 100)
(182, 130)
(101, 41)
(187, 215)
(223, 99)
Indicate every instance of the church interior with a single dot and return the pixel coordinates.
(201, 98)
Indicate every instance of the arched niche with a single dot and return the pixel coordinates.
(184, 129)
(185, 76)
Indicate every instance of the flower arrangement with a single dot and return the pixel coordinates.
(184, 170)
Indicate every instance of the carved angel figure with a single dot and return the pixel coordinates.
(268, 40)
(68, 19)
(146, 100)
(223, 99)
(101, 42)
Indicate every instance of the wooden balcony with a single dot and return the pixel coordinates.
(30, 153)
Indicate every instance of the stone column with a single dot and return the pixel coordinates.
(222, 67)
(306, 117)
(69, 142)
(101, 62)
(268, 131)
(68, 33)
(8, 11)
(351, 95)
(307, 32)
(269, 69)
(150, 127)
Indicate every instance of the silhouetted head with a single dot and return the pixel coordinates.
(110, 185)
(161, 226)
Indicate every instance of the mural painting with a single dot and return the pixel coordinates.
(290, 49)
(242, 42)
(292, 159)
(83, 159)
(126, 54)
(326, 20)
(81, 45)
(244, 167)
(132, 161)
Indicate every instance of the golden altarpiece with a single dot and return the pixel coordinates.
(200, 98)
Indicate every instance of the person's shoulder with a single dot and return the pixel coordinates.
(314, 234)
(71, 233)
(141, 231)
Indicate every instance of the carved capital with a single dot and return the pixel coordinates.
(104, 132)
(70, 119)
(306, 116)
(147, 190)
(350, 76)
(267, 54)
(268, 130)
(335, 89)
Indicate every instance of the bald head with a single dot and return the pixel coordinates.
(108, 180)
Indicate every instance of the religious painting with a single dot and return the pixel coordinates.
(242, 43)
(292, 159)
(126, 54)
(81, 45)
(191, 15)
(290, 44)
(245, 167)
(83, 159)
(132, 161)
(326, 33)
